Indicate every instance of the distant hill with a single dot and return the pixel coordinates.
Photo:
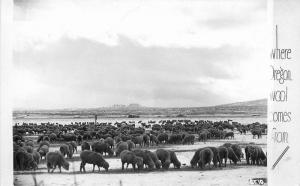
(239, 109)
(256, 103)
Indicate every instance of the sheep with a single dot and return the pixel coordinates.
(130, 144)
(43, 151)
(238, 151)
(25, 160)
(229, 134)
(42, 144)
(154, 159)
(188, 139)
(223, 154)
(120, 147)
(94, 158)
(205, 157)
(130, 158)
(216, 157)
(195, 158)
(147, 160)
(232, 156)
(85, 146)
(74, 146)
(102, 147)
(36, 156)
(165, 158)
(174, 159)
(65, 150)
(54, 159)
(109, 141)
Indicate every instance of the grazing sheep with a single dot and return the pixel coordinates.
(109, 141)
(140, 140)
(195, 158)
(229, 134)
(203, 136)
(154, 159)
(25, 160)
(43, 151)
(238, 151)
(120, 147)
(74, 146)
(146, 140)
(130, 158)
(188, 139)
(153, 139)
(42, 144)
(102, 147)
(165, 157)
(130, 144)
(232, 156)
(162, 137)
(206, 156)
(255, 154)
(79, 139)
(174, 159)
(223, 154)
(54, 159)
(94, 158)
(85, 146)
(36, 157)
(147, 160)
(65, 150)
(216, 157)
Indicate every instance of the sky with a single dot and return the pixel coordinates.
(163, 53)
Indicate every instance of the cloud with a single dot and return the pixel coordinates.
(129, 72)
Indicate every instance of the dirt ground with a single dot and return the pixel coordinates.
(230, 175)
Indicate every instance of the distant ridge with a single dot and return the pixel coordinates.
(259, 102)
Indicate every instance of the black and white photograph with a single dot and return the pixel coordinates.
(140, 93)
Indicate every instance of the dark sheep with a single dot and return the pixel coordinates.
(223, 154)
(64, 149)
(25, 160)
(36, 157)
(238, 151)
(94, 158)
(206, 156)
(255, 154)
(232, 156)
(79, 139)
(54, 159)
(165, 158)
(195, 158)
(216, 157)
(229, 134)
(130, 158)
(85, 146)
(153, 140)
(130, 144)
(162, 137)
(146, 140)
(43, 151)
(174, 159)
(74, 146)
(154, 159)
(109, 141)
(147, 160)
(120, 147)
(102, 147)
(42, 144)
(188, 139)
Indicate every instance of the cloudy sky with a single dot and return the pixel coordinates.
(91, 53)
